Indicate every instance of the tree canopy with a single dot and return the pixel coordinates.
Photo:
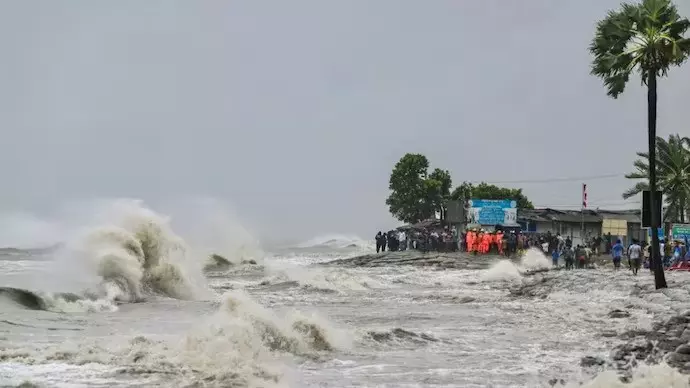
(415, 194)
(486, 191)
(673, 174)
(646, 37)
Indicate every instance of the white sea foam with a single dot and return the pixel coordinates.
(507, 270)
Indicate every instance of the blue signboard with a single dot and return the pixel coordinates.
(492, 211)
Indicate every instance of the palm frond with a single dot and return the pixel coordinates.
(636, 175)
(673, 172)
(646, 37)
(637, 189)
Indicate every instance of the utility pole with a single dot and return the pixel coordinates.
(582, 213)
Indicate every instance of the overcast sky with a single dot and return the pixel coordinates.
(294, 112)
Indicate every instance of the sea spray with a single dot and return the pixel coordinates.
(212, 230)
(506, 270)
(241, 344)
(534, 259)
(296, 333)
(140, 254)
(124, 253)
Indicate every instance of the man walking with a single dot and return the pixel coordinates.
(635, 254)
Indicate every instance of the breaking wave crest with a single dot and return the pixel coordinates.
(337, 241)
(127, 255)
(138, 255)
(238, 346)
(61, 301)
(295, 333)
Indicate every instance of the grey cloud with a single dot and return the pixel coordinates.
(294, 112)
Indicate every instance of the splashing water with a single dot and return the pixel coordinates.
(140, 254)
(211, 228)
(507, 270)
(534, 259)
(125, 254)
(433, 326)
(504, 270)
(645, 376)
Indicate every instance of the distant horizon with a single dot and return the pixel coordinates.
(295, 119)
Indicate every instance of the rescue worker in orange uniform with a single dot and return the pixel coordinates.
(469, 240)
(486, 242)
(499, 242)
(478, 241)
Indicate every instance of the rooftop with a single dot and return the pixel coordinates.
(588, 216)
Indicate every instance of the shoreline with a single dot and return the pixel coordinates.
(454, 260)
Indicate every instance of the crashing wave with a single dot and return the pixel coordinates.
(137, 257)
(132, 256)
(35, 301)
(532, 262)
(239, 346)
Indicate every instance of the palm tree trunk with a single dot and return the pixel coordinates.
(659, 278)
(682, 209)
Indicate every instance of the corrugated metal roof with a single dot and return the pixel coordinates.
(628, 215)
(574, 216)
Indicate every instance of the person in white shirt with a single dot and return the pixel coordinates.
(635, 254)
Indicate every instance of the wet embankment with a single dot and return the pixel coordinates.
(456, 260)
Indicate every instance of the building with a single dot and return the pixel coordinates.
(625, 224)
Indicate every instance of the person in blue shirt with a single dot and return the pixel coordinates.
(677, 253)
(554, 257)
(617, 253)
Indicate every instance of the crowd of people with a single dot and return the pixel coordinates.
(476, 240)
(508, 242)
(423, 240)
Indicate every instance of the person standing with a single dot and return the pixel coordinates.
(402, 238)
(568, 256)
(617, 254)
(635, 253)
(378, 241)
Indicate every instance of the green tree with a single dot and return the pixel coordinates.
(415, 194)
(486, 191)
(673, 175)
(647, 38)
(439, 184)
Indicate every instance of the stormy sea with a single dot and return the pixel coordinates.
(127, 300)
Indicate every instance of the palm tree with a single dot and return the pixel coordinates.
(673, 175)
(646, 37)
